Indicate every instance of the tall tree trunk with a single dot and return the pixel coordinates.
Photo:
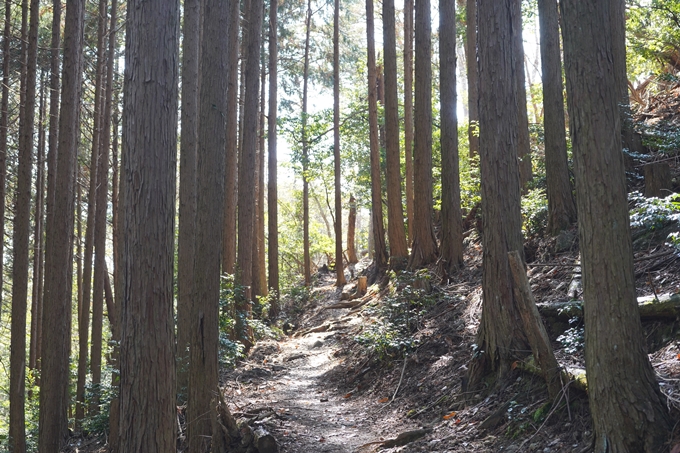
(147, 399)
(54, 395)
(259, 269)
(21, 232)
(500, 334)
(377, 227)
(561, 207)
(305, 152)
(187, 187)
(246, 198)
(634, 417)
(452, 220)
(38, 232)
(4, 121)
(472, 75)
(351, 231)
(339, 267)
(523, 143)
(408, 111)
(395, 211)
(272, 195)
(101, 206)
(232, 148)
(210, 177)
(424, 245)
(631, 140)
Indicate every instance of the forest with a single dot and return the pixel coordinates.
(340, 226)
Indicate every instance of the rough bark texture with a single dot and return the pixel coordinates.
(423, 245)
(21, 233)
(500, 337)
(472, 75)
(658, 179)
(633, 418)
(259, 265)
(523, 144)
(246, 198)
(408, 111)
(54, 398)
(231, 177)
(148, 412)
(210, 177)
(4, 120)
(101, 208)
(395, 211)
(452, 220)
(187, 187)
(351, 231)
(272, 193)
(377, 227)
(561, 207)
(339, 267)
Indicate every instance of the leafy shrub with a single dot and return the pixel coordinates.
(653, 213)
(534, 212)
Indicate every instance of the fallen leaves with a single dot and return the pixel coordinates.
(449, 416)
(383, 400)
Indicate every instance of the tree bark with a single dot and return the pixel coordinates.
(191, 32)
(21, 230)
(377, 227)
(351, 231)
(424, 245)
(272, 193)
(305, 152)
(634, 417)
(452, 220)
(246, 198)
(500, 334)
(408, 111)
(148, 412)
(395, 211)
(561, 207)
(101, 208)
(339, 267)
(259, 265)
(54, 396)
(4, 121)
(472, 75)
(232, 149)
(523, 144)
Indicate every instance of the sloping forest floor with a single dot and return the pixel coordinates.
(388, 375)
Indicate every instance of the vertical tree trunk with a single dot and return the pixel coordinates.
(187, 187)
(4, 121)
(101, 206)
(472, 75)
(52, 148)
(377, 228)
(259, 266)
(424, 245)
(272, 195)
(246, 198)
(38, 227)
(561, 208)
(21, 227)
(147, 399)
(523, 144)
(339, 268)
(631, 140)
(232, 148)
(54, 397)
(500, 334)
(305, 152)
(351, 231)
(452, 220)
(408, 111)
(634, 417)
(395, 211)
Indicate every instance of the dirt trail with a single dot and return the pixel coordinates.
(287, 383)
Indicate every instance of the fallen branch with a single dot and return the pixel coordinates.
(401, 440)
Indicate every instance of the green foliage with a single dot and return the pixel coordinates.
(653, 213)
(663, 138)
(470, 190)
(653, 34)
(534, 213)
(572, 340)
(399, 316)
